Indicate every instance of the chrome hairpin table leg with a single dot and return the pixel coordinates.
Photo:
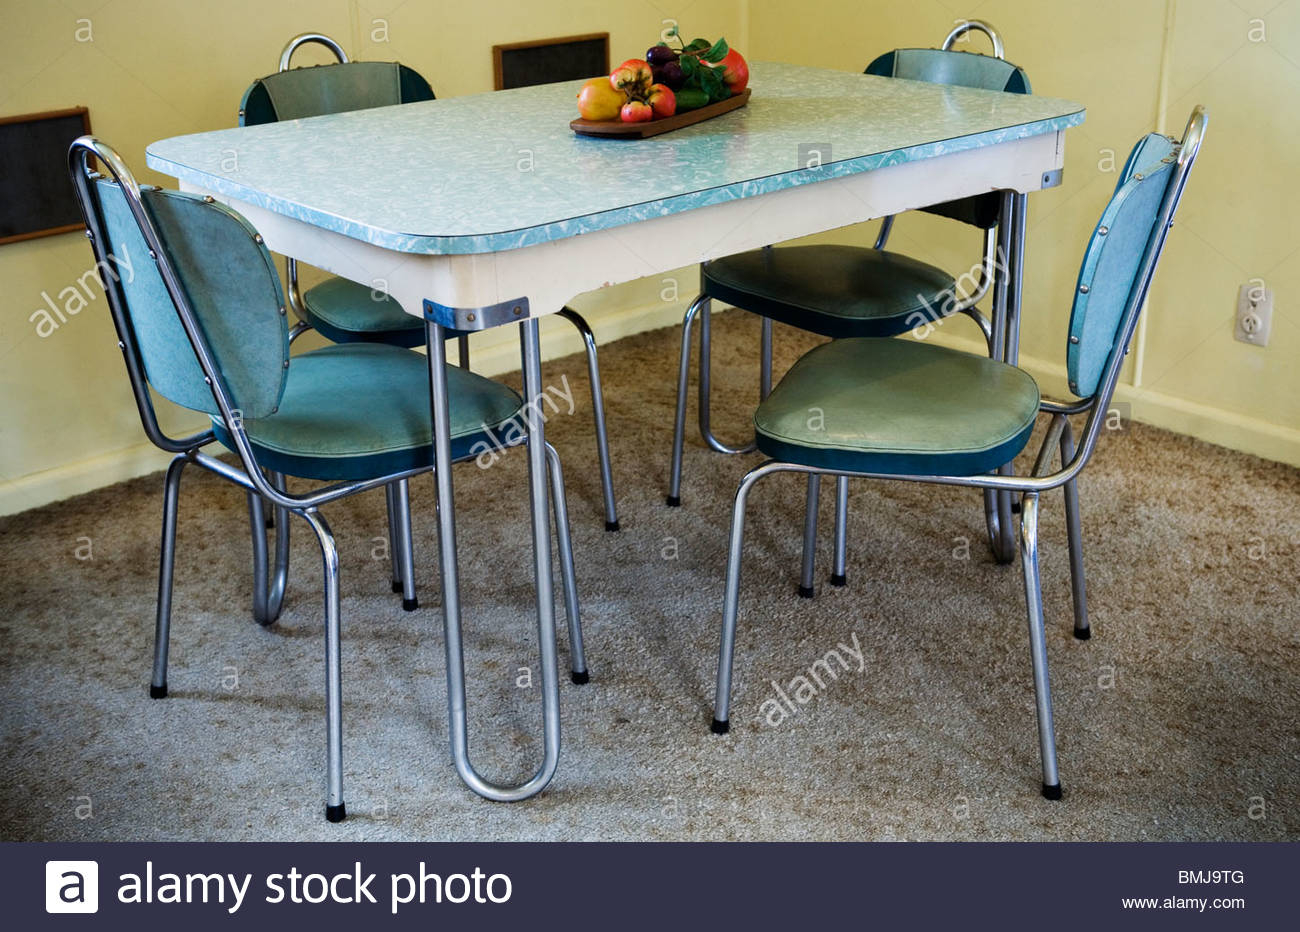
(541, 525)
(1008, 281)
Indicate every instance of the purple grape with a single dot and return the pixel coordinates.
(660, 55)
(672, 75)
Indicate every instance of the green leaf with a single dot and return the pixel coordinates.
(717, 53)
(689, 65)
(698, 45)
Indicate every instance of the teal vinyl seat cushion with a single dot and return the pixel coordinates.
(345, 311)
(836, 291)
(949, 413)
(359, 410)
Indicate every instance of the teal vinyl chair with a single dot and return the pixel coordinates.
(204, 325)
(344, 311)
(918, 412)
(842, 291)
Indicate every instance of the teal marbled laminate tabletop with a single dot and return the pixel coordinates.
(502, 170)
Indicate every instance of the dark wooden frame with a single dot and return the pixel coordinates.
(84, 113)
(498, 76)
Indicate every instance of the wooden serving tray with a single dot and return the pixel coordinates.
(662, 125)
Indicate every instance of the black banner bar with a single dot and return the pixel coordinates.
(769, 886)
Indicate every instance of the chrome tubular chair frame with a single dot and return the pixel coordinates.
(1059, 437)
(573, 317)
(270, 488)
(993, 266)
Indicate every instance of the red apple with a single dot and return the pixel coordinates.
(735, 71)
(662, 100)
(637, 111)
(633, 77)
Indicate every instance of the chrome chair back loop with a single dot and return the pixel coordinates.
(307, 38)
(975, 25)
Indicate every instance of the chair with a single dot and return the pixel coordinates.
(918, 412)
(847, 291)
(345, 311)
(204, 326)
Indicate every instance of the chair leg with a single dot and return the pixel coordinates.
(838, 574)
(1078, 585)
(166, 568)
(997, 517)
(706, 371)
(679, 423)
(806, 580)
(405, 545)
(334, 808)
(731, 606)
(559, 503)
(598, 410)
(1038, 644)
(462, 343)
(765, 360)
(269, 584)
(394, 542)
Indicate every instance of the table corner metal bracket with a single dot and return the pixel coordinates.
(1053, 178)
(476, 318)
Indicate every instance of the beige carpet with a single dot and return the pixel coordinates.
(1177, 721)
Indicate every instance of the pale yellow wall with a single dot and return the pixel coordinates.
(1137, 65)
(157, 69)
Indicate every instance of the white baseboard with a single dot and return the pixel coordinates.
(495, 353)
(491, 354)
(1214, 425)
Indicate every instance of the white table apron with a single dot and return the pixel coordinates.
(550, 274)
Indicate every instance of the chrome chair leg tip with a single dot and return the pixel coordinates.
(158, 692)
(410, 605)
(1051, 791)
(674, 501)
(580, 677)
(839, 580)
(335, 813)
(720, 728)
(807, 592)
(397, 586)
(1083, 634)
(611, 525)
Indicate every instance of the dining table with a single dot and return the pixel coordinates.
(487, 210)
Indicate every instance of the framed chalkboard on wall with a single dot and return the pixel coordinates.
(542, 61)
(36, 197)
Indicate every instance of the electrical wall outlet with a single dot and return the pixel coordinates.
(1254, 314)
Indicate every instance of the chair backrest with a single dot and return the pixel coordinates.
(964, 69)
(1121, 256)
(293, 94)
(170, 259)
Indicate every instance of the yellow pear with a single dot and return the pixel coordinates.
(599, 101)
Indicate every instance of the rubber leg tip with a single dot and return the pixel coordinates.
(1052, 791)
(1015, 508)
(270, 523)
(611, 525)
(839, 580)
(806, 592)
(674, 501)
(410, 605)
(335, 813)
(397, 586)
(580, 678)
(720, 728)
(158, 692)
(1083, 634)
